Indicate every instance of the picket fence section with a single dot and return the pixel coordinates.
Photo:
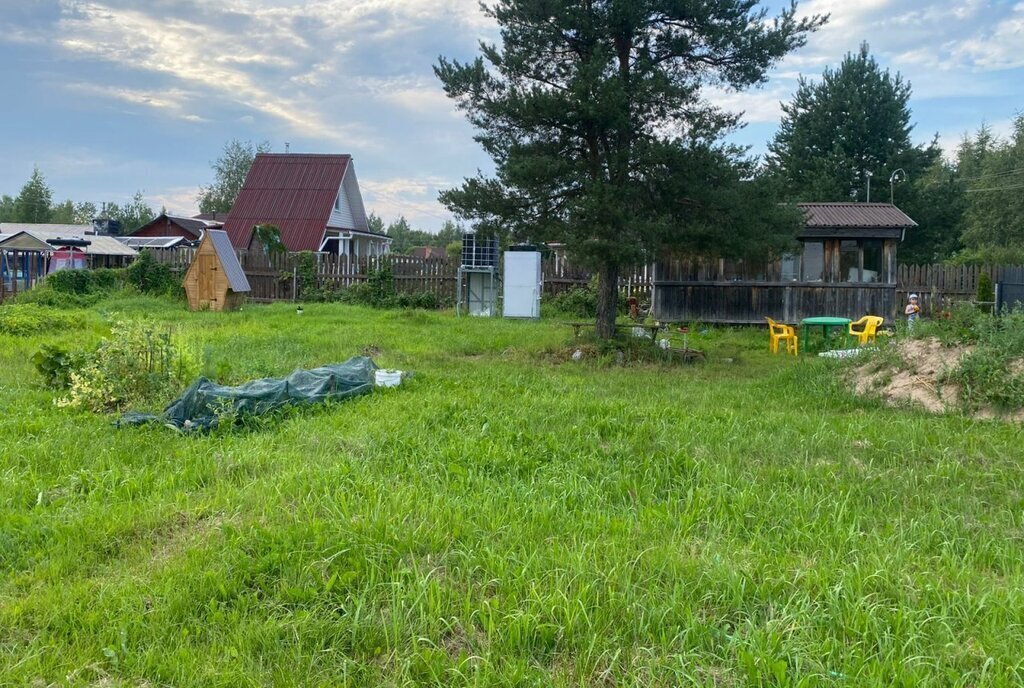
(940, 287)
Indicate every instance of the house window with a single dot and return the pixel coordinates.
(732, 270)
(873, 263)
(849, 261)
(790, 267)
(860, 260)
(813, 261)
(337, 203)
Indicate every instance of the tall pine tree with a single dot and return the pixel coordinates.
(34, 202)
(854, 126)
(855, 121)
(595, 116)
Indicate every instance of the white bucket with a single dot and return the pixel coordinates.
(387, 378)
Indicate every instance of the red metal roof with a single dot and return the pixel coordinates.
(294, 192)
(855, 215)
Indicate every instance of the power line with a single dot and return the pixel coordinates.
(989, 175)
(1000, 188)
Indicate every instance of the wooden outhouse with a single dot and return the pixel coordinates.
(215, 280)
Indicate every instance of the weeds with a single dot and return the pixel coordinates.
(507, 521)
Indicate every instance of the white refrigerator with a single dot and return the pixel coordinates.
(521, 284)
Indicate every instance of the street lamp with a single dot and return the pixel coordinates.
(868, 175)
(898, 175)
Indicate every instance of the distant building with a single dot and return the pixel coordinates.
(314, 201)
(165, 225)
(216, 218)
(845, 266)
(29, 252)
(431, 252)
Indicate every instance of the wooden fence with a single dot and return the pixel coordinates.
(940, 287)
(280, 276)
(277, 277)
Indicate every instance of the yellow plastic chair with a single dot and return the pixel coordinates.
(866, 329)
(777, 332)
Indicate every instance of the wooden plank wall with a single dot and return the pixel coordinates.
(749, 302)
(274, 278)
(940, 287)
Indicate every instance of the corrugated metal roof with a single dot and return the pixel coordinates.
(100, 244)
(190, 225)
(152, 242)
(229, 260)
(68, 230)
(295, 192)
(855, 215)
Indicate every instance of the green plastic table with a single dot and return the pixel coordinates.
(826, 323)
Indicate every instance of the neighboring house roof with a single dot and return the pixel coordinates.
(15, 227)
(211, 217)
(854, 215)
(228, 260)
(152, 241)
(295, 192)
(35, 239)
(164, 221)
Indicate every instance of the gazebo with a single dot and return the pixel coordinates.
(846, 267)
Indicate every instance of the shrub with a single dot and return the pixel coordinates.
(578, 301)
(30, 318)
(136, 364)
(71, 281)
(378, 291)
(151, 277)
(45, 295)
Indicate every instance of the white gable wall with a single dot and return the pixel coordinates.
(348, 211)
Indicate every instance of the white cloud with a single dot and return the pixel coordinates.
(172, 102)
(415, 198)
(197, 55)
(179, 200)
(758, 105)
(998, 49)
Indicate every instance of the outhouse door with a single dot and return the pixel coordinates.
(207, 267)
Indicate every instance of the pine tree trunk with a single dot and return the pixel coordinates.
(607, 299)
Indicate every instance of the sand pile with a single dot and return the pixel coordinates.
(918, 373)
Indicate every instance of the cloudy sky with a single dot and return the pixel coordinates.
(111, 96)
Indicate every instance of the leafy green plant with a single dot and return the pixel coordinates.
(577, 301)
(269, 237)
(151, 277)
(55, 364)
(137, 364)
(29, 318)
(986, 292)
(305, 272)
(71, 281)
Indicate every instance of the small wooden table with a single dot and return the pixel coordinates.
(826, 323)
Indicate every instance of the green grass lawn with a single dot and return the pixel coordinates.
(504, 518)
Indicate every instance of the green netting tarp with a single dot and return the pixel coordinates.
(200, 406)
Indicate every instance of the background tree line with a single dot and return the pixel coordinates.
(969, 203)
(35, 204)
